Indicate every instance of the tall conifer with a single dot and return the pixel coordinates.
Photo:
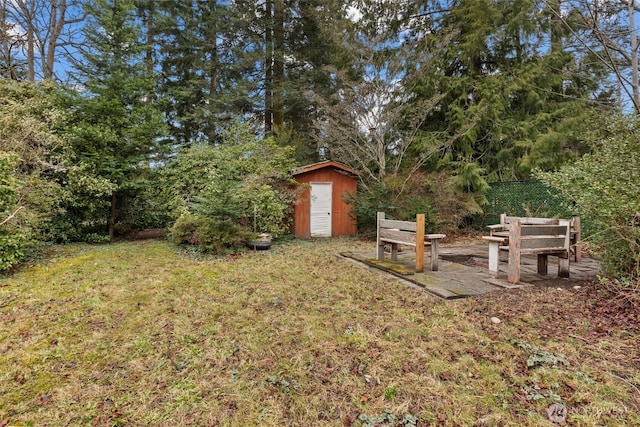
(117, 124)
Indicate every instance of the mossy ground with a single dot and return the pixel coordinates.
(142, 333)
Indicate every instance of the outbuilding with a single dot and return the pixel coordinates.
(321, 210)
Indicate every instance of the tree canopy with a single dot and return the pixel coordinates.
(430, 100)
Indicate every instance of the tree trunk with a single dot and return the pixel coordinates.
(31, 51)
(634, 56)
(213, 66)
(112, 216)
(268, 68)
(278, 64)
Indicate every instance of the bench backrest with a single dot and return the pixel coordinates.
(399, 225)
(546, 236)
(506, 220)
(401, 231)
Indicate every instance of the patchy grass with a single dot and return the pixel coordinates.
(139, 333)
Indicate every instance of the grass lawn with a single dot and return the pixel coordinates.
(142, 333)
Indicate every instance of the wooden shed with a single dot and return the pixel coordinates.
(321, 210)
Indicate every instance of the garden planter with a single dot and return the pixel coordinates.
(262, 242)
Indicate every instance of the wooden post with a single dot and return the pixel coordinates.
(494, 257)
(543, 264)
(420, 243)
(577, 235)
(513, 269)
(563, 261)
(380, 251)
(563, 266)
(434, 254)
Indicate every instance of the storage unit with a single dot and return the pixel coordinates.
(321, 210)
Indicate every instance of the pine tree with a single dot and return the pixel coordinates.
(511, 73)
(117, 124)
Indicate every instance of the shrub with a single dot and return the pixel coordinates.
(434, 195)
(604, 187)
(207, 234)
(12, 250)
(241, 186)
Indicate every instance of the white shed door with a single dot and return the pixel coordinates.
(320, 209)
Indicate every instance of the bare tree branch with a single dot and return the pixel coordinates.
(11, 216)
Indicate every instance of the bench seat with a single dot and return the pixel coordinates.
(407, 233)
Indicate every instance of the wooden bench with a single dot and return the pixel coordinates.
(410, 234)
(575, 238)
(540, 239)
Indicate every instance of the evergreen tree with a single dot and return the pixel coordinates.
(117, 124)
(191, 38)
(511, 70)
(264, 60)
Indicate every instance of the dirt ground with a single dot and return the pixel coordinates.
(612, 310)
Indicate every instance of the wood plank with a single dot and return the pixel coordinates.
(398, 242)
(419, 239)
(539, 242)
(543, 264)
(434, 255)
(525, 220)
(380, 244)
(398, 236)
(435, 236)
(400, 225)
(513, 268)
(496, 239)
(548, 251)
(576, 236)
(543, 230)
(494, 257)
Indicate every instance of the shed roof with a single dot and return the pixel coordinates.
(325, 164)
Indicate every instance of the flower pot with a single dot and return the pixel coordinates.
(262, 242)
(258, 245)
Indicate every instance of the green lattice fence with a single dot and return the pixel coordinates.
(522, 198)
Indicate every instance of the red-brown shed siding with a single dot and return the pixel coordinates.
(343, 180)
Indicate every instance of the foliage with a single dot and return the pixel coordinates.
(512, 84)
(374, 122)
(243, 184)
(387, 419)
(435, 195)
(604, 187)
(540, 358)
(523, 198)
(116, 122)
(11, 240)
(32, 157)
(223, 60)
(207, 234)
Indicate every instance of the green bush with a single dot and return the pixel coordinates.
(239, 187)
(207, 234)
(435, 195)
(604, 187)
(12, 250)
(367, 202)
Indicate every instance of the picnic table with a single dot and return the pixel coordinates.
(540, 238)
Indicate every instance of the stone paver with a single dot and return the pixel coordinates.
(464, 271)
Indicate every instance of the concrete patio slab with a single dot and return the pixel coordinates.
(463, 271)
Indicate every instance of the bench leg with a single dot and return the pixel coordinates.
(494, 257)
(543, 264)
(380, 254)
(563, 266)
(394, 252)
(513, 268)
(434, 255)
